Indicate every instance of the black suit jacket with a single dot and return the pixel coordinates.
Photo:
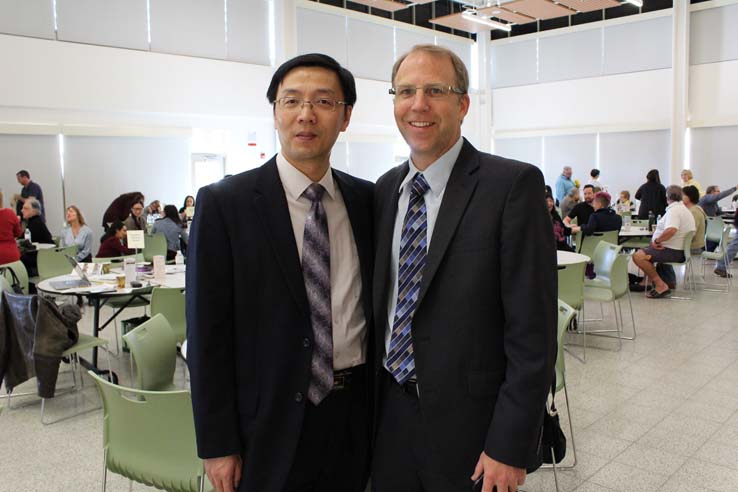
(248, 320)
(484, 331)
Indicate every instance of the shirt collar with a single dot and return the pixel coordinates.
(438, 172)
(295, 183)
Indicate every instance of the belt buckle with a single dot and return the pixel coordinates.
(339, 381)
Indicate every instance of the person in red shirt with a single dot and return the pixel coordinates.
(9, 230)
(114, 245)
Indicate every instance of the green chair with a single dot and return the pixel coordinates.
(20, 271)
(610, 285)
(720, 253)
(171, 303)
(689, 282)
(54, 262)
(149, 438)
(714, 229)
(565, 314)
(155, 244)
(571, 291)
(589, 243)
(154, 350)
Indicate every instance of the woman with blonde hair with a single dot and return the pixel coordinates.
(9, 230)
(688, 180)
(77, 232)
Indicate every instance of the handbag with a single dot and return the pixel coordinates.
(15, 283)
(553, 440)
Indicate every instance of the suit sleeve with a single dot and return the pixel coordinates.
(210, 331)
(528, 276)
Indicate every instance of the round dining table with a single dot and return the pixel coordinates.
(564, 258)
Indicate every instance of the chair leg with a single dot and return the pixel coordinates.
(556, 476)
(105, 469)
(201, 485)
(571, 425)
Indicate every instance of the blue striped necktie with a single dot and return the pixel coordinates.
(316, 272)
(413, 252)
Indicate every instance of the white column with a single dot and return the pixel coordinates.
(484, 84)
(285, 29)
(680, 85)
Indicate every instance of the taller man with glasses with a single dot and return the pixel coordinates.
(464, 297)
(278, 303)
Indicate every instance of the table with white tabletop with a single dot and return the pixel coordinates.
(564, 258)
(636, 232)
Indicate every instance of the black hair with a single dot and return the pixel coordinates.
(111, 230)
(594, 173)
(589, 186)
(184, 205)
(692, 193)
(23, 174)
(345, 77)
(653, 176)
(170, 212)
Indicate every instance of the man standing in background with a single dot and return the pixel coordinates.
(30, 189)
(564, 183)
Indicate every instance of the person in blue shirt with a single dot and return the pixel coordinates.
(564, 183)
(30, 189)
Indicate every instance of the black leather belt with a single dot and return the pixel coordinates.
(344, 378)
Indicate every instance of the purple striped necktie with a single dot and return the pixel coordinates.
(316, 271)
(413, 252)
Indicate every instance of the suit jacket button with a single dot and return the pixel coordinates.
(306, 342)
(298, 397)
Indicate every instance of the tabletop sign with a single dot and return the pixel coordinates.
(135, 239)
(190, 212)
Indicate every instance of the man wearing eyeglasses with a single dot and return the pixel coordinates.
(278, 303)
(464, 297)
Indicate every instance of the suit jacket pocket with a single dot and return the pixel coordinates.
(483, 384)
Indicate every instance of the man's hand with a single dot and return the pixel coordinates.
(224, 472)
(656, 245)
(575, 229)
(506, 478)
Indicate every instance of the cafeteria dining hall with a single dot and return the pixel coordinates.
(229, 228)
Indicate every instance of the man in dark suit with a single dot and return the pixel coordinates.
(279, 305)
(465, 297)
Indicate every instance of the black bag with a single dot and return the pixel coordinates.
(15, 284)
(553, 440)
(25, 246)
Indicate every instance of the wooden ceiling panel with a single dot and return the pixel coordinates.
(539, 9)
(589, 5)
(506, 15)
(457, 21)
(388, 5)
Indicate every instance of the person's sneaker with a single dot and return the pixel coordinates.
(722, 273)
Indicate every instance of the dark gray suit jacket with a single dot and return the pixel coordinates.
(484, 331)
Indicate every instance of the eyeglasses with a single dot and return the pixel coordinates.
(294, 104)
(137, 208)
(432, 91)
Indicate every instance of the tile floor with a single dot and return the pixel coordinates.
(660, 415)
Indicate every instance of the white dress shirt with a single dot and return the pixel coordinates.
(678, 216)
(436, 175)
(349, 323)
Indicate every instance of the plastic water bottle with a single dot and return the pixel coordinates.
(651, 220)
(27, 235)
(626, 221)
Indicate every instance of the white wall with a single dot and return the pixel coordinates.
(714, 157)
(713, 94)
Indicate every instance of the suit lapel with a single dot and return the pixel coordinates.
(460, 188)
(270, 201)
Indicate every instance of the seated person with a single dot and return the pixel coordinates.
(31, 212)
(172, 228)
(113, 243)
(120, 208)
(603, 219)
(136, 221)
(189, 201)
(624, 204)
(570, 201)
(667, 244)
(10, 229)
(582, 210)
(77, 232)
(721, 267)
(561, 232)
(709, 203)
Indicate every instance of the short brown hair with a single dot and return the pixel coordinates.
(80, 218)
(462, 75)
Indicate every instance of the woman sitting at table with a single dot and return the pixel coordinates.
(172, 228)
(603, 219)
(561, 232)
(113, 243)
(136, 221)
(77, 232)
(31, 212)
(189, 201)
(9, 230)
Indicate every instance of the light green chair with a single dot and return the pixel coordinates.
(154, 350)
(154, 244)
(565, 314)
(714, 229)
(720, 253)
(149, 438)
(20, 271)
(171, 303)
(589, 243)
(610, 285)
(571, 291)
(689, 282)
(54, 262)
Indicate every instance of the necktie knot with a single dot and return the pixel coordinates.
(420, 185)
(314, 192)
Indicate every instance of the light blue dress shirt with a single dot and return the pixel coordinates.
(436, 175)
(83, 241)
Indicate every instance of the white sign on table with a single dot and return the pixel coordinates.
(135, 239)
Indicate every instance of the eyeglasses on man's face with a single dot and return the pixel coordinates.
(431, 91)
(290, 103)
